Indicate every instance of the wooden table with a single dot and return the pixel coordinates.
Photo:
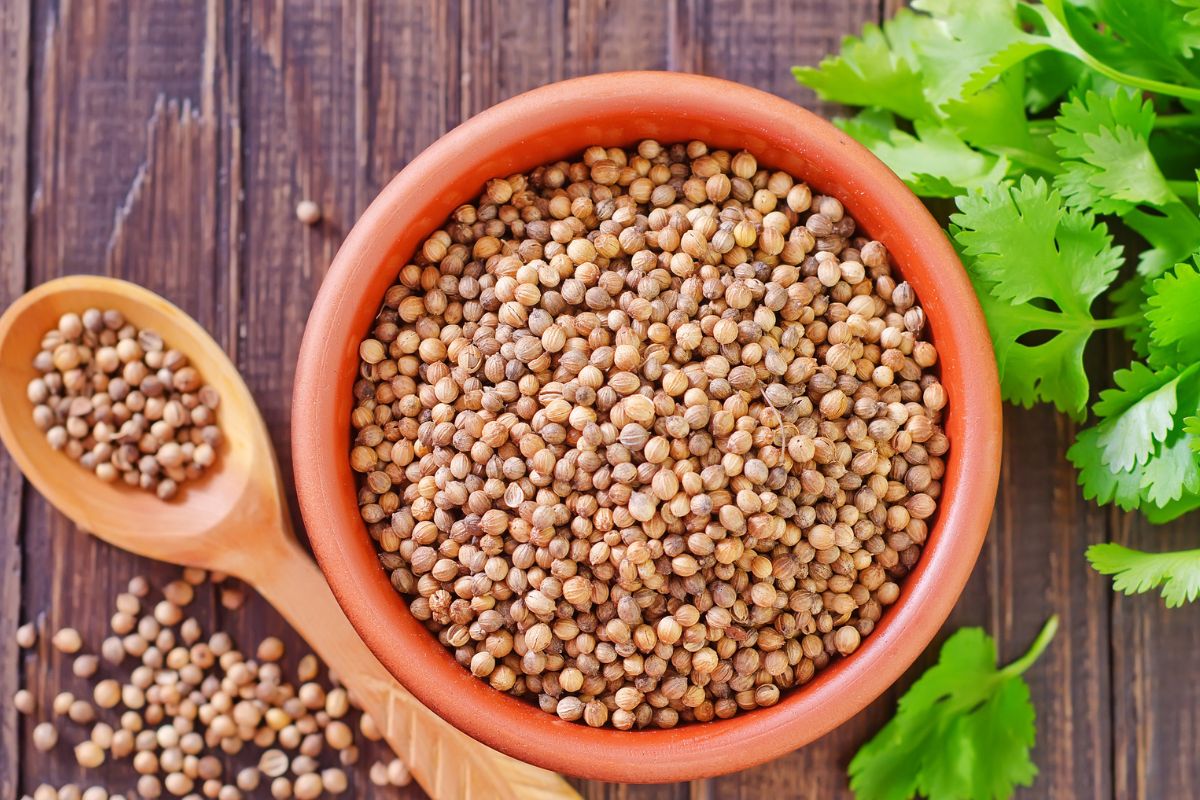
(168, 143)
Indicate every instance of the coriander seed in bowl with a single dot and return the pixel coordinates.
(650, 436)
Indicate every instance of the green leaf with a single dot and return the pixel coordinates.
(933, 160)
(1191, 425)
(1173, 232)
(1050, 371)
(1037, 267)
(1172, 473)
(1135, 572)
(1153, 39)
(879, 68)
(1024, 241)
(982, 40)
(1139, 454)
(1109, 166)
(1048, 76)
(963, 730)
(1098, 481)
(1140, 414)
(1172, 307)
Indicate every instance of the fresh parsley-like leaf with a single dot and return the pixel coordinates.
(933, 161)
(1024, 241)
(1171, 309)
(1140, 453)
(1037, 266)
(1139, 413)
(1105, 143)
(982, 40)
(1192, 425)
(1135, 571)
(1100, 483)
(879, 68)
(963, 730)
(1173, 232)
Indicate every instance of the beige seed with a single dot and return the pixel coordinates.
(24, 702)
(67, 640)
(308, 212)
(89, 755)
(26, 636)
(45, 736)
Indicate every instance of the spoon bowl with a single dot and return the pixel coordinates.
(240, 491)
(233, 520)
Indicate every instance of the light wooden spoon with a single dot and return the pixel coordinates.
(234, 520)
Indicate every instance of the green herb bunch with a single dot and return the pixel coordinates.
(1050, 125)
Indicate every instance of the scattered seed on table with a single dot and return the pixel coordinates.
(308, 212)
(26, 636)
(67, 640)
(45, 736)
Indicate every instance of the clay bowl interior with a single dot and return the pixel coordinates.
(558, 121)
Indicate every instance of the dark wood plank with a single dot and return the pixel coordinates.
(310, 100)
(15, 32)
(1155, 694)
(413, 83)
(506, 49)
(611, 35)
(124, 152)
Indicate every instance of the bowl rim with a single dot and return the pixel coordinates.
(870, 192)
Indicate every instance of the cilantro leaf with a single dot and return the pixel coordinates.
(982, 40)
(932, 160)
(1109, 166)
(1140, 453)
(963, 730)
(1174, 334)
(1029, 246)
(879, 68)
(1037, 267)
(1099, 483)
(1173, 231)
(1139, 414)
(1135, 571)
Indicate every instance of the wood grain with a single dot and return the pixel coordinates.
(15, 31)
(169, 143)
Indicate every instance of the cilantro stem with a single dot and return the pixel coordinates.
(1117, 322)
(1042, 127)
(1182, 188)
(1039, 646)
(1053, 16)
(1177, 121)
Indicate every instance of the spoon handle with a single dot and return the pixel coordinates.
(447, 763)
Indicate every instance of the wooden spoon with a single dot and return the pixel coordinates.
(234, 520)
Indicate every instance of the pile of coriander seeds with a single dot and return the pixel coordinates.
(649, 437)
(170, 710)
(123, 404)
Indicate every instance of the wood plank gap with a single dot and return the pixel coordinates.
(15, 89)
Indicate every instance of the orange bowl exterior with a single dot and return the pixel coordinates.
(545, 125)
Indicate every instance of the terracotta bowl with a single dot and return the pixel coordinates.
(551, 123)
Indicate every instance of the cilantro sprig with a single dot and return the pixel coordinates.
(1056, 126)
(963, 731)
